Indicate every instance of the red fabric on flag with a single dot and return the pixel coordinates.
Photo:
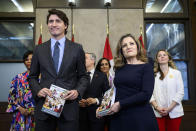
(40, 39)
(72, 39)
(141, 41)
(107, 50)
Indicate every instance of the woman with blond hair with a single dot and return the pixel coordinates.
(134, 82)
(168, 93)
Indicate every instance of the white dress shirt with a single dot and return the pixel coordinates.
(91, 77)
(61, 47)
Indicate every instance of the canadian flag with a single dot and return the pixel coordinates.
(107, 53)
(40, 39)
(72, 38)
(141, 41)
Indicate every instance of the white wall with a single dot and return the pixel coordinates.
(7, 72)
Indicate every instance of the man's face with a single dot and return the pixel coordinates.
(89, 61)
(56, 26)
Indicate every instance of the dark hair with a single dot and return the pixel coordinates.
(61, 15)
(26, 54)
(120, 60)
(98, 67)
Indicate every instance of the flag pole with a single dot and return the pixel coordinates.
(41, 28)
(107, 21)
(73, 29)
(71, 4)
(141, 37)
(72, 21)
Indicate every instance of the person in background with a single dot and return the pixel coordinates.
(20, 101)
(134, 82)
(104, 66)
(168, 93)
(93, 96)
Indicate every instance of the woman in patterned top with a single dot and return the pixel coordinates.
(20, 101)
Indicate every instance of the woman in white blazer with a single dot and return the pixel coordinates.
(168, 93)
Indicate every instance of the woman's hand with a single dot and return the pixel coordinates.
(114, 109)
(168, 109)
(23, 111)
(160, 110)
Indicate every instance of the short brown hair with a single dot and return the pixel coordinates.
(61, 15)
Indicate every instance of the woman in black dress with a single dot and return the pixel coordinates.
(134, 82)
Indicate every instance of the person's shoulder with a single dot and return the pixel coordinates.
(100, 73)
(20, 75)
(46, 43)
(73, 44)
(176, 71)
(147, 65)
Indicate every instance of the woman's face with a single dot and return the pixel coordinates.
(129, 47)
(105, 66)
(162, 57)
(27, 61)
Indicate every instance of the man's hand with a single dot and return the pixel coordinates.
(82, 103)
(44, 92)
(91, 101)
(71, 95)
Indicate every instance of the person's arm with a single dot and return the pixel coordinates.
(159, 109)
(145, 94)
(170, 108)
(179, 88)
(34, 75)
(13, 96)
(82, 76)
(105, 87)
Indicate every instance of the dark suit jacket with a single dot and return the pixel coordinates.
(72, 75)
(99, 84)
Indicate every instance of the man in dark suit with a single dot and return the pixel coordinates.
(62, 63)
(92, 97)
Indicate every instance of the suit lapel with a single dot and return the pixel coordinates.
(66, 54)
(94, 79)
(50, 63)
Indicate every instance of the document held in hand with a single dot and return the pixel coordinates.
(54, 105)
(107, 101)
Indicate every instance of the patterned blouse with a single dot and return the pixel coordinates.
(20, 95)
